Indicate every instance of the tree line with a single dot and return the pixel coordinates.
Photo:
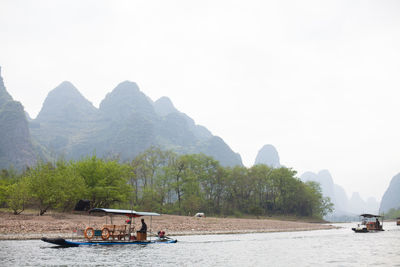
(393, 213)
(165, 182)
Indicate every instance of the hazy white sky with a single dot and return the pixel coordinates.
(317, 79)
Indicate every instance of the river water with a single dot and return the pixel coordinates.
(337, 247)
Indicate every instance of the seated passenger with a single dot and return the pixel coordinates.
(161, 234)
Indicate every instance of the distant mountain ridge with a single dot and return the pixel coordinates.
(391, 197)
(16, 148)
(125, 101)
(344, 207)
(126, 123)
(65, 103)
(268, 155)
(4, 95)
(164, 107)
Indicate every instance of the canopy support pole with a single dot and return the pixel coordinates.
(151, 226)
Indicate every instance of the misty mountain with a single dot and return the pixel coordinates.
(66, 104)
(4, 95)
(372, 205)
(127, 101)
(268, 155)
(164, 108)
(126, 123)
(357, 204)
(16, 148)
(65, 124)
(391, 198)
(341, 200)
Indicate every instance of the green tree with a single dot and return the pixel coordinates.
(70, 186)
(175, 171)
(106, 181)
(41, 181)
(239, 189)
(192, 196)
(393, 213)
(150, 178)
(318, 205)
(18, 196)
(7, 178)
(260, 176)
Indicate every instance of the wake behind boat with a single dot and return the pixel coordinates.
(115, 234)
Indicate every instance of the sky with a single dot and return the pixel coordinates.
(319, 80)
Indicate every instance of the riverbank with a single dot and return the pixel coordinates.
(70, 225)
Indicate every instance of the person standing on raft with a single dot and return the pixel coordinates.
(143, 229)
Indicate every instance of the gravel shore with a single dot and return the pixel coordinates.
(69, 225)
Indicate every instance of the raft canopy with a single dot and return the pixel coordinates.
(129, 213)
(366, 215)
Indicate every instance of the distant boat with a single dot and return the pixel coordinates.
(114, 234)
(369, 223)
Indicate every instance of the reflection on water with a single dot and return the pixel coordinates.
(338, 247)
